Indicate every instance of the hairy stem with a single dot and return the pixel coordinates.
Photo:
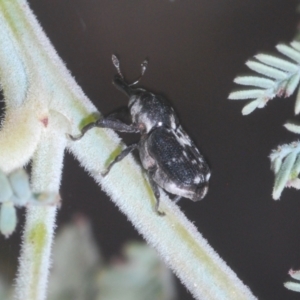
(31, 282)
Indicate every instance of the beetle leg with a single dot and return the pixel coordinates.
(123, 154)
(116, 124)
(83, 131)
(108, 122)
(156, 194)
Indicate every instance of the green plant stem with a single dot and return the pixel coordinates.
(31, 282)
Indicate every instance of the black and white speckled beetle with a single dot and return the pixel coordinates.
(167, 153)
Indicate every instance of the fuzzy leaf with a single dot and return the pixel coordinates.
(292, 84)
(262, 102)
(295, 274)
(289, 52)
(296, 168)
(277, 63)
(292, 127)
(266, 70)
(297, 103)
(255, 81)
(284, 150)
(19, 181)
(246, 94)
(293, 286)
(250, 107)
(8, 218)
(283, 175)
(281, 88)
(295, 45)
(20, 202)
(294, 183)
(276, 164)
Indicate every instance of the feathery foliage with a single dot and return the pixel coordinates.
(280, 78)
(293, 285)
(285, 163)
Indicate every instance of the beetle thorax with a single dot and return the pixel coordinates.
(149, 111)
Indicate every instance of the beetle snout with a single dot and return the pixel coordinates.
(201, 191)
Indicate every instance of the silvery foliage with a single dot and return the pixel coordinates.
(293, 285)
(280, 78)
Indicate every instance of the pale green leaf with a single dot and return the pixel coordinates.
(8, 218)
(19, 181)
(255, 81)
(292, 84)
(277, 62)
(294, 183)
(293, 286)
(292, 127)
(262, 102)
(250, 107)
(283, 175)
(296, 168)
(246, 94)
(289, 52)
(266, 70)
(281, 88)
(297, 103)
(276, 164)
(295, 45)
(284, 150)
(295, 274)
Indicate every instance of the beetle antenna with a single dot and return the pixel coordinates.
(116, 63)
(144, 66)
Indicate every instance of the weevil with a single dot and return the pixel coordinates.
(168, 155)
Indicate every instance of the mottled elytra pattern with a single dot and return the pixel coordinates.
(167, 153)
